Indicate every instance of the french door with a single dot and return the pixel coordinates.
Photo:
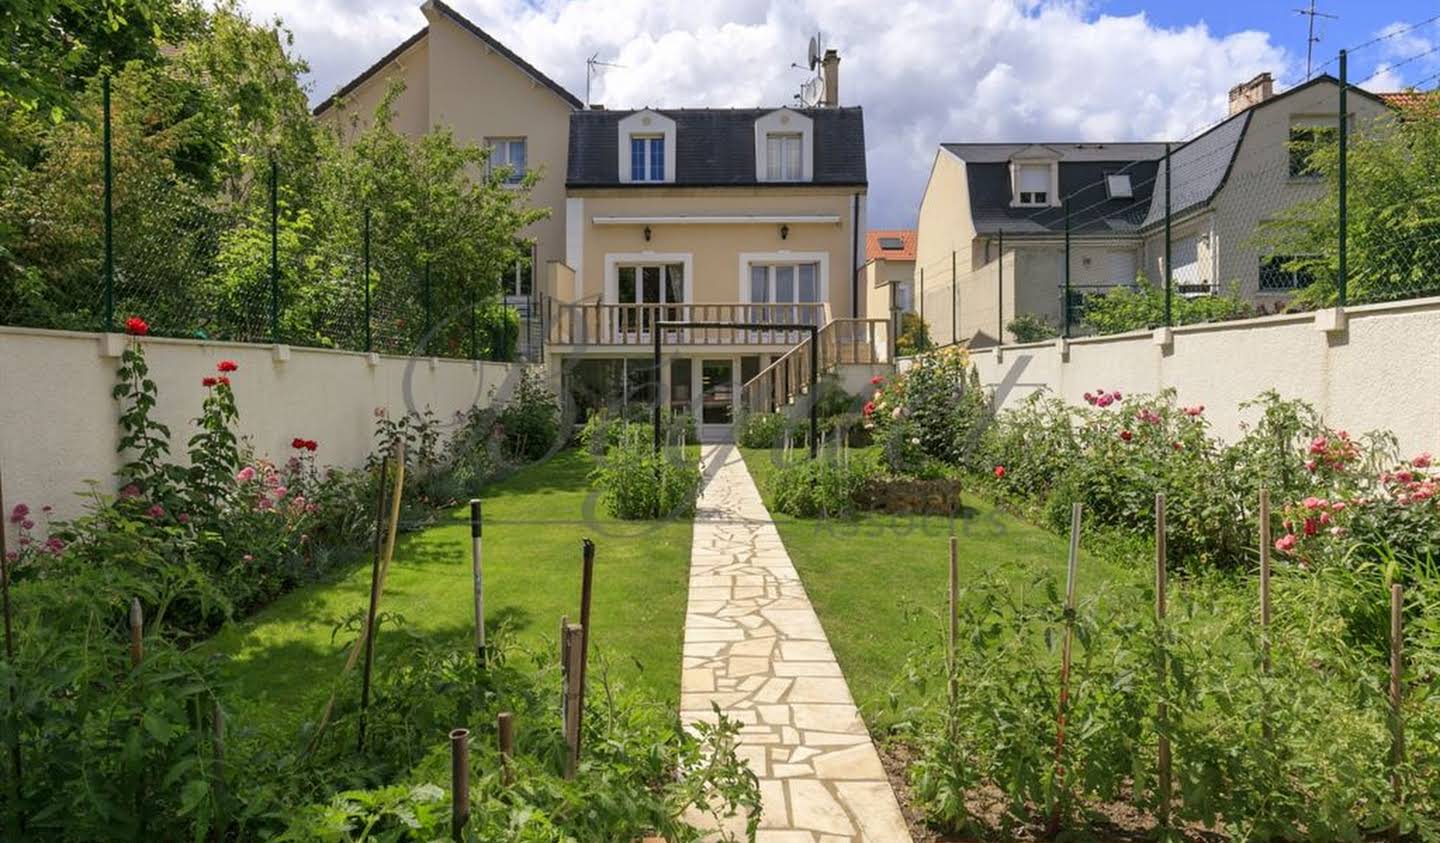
(639, 285)
(785, 292)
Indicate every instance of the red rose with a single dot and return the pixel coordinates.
(877, 380)
(224, 380)
(869, 408)
(297, 443)
(311, 445)
(137, 327)
(999, 471)
(208, 382)
(1126, 435)
(227, 366)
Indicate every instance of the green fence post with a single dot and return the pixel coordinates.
(365, 250)
(428, 310)
(1344, 217)
(1169, 275)
(274, 250)
(1065, 305)
(474, 328)
(109, 209)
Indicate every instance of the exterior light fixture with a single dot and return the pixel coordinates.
(647, 234)
(784, 232)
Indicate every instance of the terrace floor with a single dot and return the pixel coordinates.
(755, 649)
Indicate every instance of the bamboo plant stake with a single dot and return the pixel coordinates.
(505, 727)
(384, 569)
(1162, 707)
(1397, 719)
(1065, 647)
(16, 764)
(1265, 604)
(954, 621)
(477, 571)
(573, 699)
(459, 782)
(587, 579)
(378, 564)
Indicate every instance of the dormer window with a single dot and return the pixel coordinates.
(647, 148)
(1117, 186)
(782, 156)
(1032, 184)
(784, 144)
(647, 158)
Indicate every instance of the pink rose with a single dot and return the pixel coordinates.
(1421, 460)
(1312, 503)
(246, 474)
(1311, 465)
(1285, 543)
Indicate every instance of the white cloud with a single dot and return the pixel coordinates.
(926, 72)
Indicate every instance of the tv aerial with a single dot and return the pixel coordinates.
(813, 89)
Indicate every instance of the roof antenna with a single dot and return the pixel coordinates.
(1312, 39)
(811, 89)
(590, 71)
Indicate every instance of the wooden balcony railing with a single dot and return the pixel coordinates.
(610, 324)
(841, 341)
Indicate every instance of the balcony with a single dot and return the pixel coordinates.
(608, 325)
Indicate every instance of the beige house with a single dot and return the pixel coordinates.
(999, 212)
(748, 218)
(457, 76)
(888, 277)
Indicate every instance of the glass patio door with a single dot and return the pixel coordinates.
(649, 284)
(717, 397)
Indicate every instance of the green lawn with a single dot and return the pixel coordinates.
(281, 663)
(879, 582)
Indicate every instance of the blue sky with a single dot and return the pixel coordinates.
(1357, 21)
(926, 71)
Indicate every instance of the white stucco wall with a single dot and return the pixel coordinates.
(1382, 372)
(58, 421)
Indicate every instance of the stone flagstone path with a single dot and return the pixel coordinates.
(754, 647)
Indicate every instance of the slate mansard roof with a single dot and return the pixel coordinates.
(715, 147)
(1083, 167)
(1202, 165)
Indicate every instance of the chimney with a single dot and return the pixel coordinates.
(1250, 93)
(830, 68)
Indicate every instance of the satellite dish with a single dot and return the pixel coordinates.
(814, 53)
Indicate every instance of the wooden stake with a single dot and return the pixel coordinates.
(1397, 717)
(951, 639)
(367, 639)
(477, 570)
(573, 699)
(505, 723)
(137, 633)
(1162, 706)
(459, 782)
(1065, 646)
(587, 577)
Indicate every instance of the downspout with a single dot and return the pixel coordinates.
(855, 256)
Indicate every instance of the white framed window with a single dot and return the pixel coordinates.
(647, 158)
(1032, 184)
(785, 284)
(782, 157)
(518, 279)
(511, 153)
(1117, 186)
(1190, 276)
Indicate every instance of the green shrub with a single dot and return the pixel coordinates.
(914, 335)
(637, 483)
(530, 421)
(761, 430)
(1031, 327)
(830, 486)
(1142, 306)
(937, 408)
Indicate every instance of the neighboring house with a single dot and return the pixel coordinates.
(888, 276)
(750, 215)
(1227, 182)
(458, 76)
